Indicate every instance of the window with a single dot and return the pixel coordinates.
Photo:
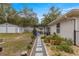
(58, 28)
(48, 31)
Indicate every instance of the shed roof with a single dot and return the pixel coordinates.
(70, 14)
(8, 24)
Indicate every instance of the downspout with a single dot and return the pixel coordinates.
(75, 31)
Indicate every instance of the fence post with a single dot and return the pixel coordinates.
(75, 31)
(74, 37)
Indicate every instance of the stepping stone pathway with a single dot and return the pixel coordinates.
(38, 49)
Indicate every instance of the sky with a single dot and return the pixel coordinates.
(43, 8)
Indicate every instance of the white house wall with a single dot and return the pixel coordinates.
(20, 29)
(28, 29)
(77, 20)
(67, 29)
(52, 29)
(10, 28)
(77, 32)
(2, 29)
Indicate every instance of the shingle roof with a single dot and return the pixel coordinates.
(70, 14)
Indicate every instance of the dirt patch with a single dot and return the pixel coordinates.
(14, 47)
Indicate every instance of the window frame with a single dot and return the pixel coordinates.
(58, 28)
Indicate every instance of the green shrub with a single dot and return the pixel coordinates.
(69, 42)
(53, 47)
(32, 36)
(65, 48)
(53, 39)
(56, 39)
(47, 39)
(58, 54)
(47, 44)
(59, 43)
(43, 37)
(28, 47)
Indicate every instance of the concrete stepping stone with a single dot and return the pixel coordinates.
(39, 45)
(39, 49)
(38, 54)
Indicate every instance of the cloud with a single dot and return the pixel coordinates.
(68, 9)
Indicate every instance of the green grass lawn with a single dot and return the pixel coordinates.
(9, 35)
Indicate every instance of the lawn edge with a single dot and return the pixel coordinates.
(32, 48)
(45, 48)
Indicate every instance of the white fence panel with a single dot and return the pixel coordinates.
(12, 29)
(2, 29)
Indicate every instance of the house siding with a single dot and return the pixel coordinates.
(52, 29)
(10, 28)
(77, 32)
(77, 24)
(28, 29)
(69, 25)
(2, 30)
(67, 29)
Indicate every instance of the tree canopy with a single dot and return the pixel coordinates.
(24, 17)
(53, 13)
